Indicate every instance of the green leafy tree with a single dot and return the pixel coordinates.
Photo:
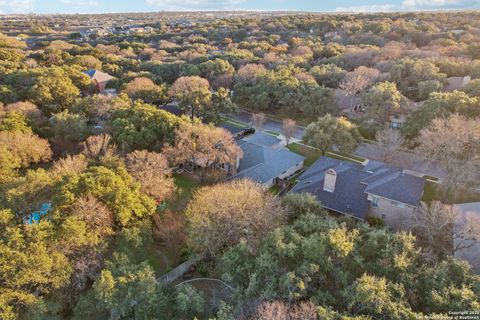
(115, 188)
(382, 101)
(127, 290)
(13, 121)
(193, 94)
(54, 91)
(328, 75)
(331, 132)
(70, 126)
(440, 104)
(142, 126)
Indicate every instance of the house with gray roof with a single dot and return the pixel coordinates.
(265, 139)
(265, 164)
(360, 190)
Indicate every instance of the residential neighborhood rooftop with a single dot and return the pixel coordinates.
(354, 182)
(263, 139)
(262, 163)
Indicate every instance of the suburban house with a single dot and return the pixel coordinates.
(265, 162)
(468, 249)
(265, 140)
(363, 189)
(99, 80)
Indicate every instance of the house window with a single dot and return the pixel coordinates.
(375, 202)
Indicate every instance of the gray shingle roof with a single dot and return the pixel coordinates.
(349, 196)
(354, 183)
(263, 139)
(261, 163)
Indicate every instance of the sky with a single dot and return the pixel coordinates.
(105, 6)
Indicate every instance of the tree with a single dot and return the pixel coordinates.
(151, 170)
(30, 268)
(289, 128)
(328, 75)
(69, 165)
(145, 89)
(455, 143)
(433, 225)
(13, 121)
(35, 117)
(355, 82)
(257, 120)
(408, 73)
(390, 140)
(334, 132)
(98, 146)
(124, 287)
(142, 126)
(425, 88)
(9, 164)
(114, 187)
(376, 297)
(70, 126)
(192, 93)
(382, 101)
(204, 146)
(29, 148)
(440, 104)
(220, 216)
(54, 91)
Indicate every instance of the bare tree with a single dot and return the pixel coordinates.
(433, 225)
(220, 216)
(455, 143)
(353, 84)
(151, 170)
(205, 147)
(96, 214)
(97, 146)
(275, 310)
(467, 231)
(258, 119)
(289, 128)
(389, 140)
(70, 165)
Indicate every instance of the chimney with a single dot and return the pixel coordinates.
(330, 180)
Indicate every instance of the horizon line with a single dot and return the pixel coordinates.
(246, 11)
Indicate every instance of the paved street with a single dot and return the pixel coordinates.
(270, 124)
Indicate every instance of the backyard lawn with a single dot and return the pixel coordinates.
(186, 186)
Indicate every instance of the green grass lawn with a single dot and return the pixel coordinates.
(310, 154)
(431, 191)
(186, 187)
